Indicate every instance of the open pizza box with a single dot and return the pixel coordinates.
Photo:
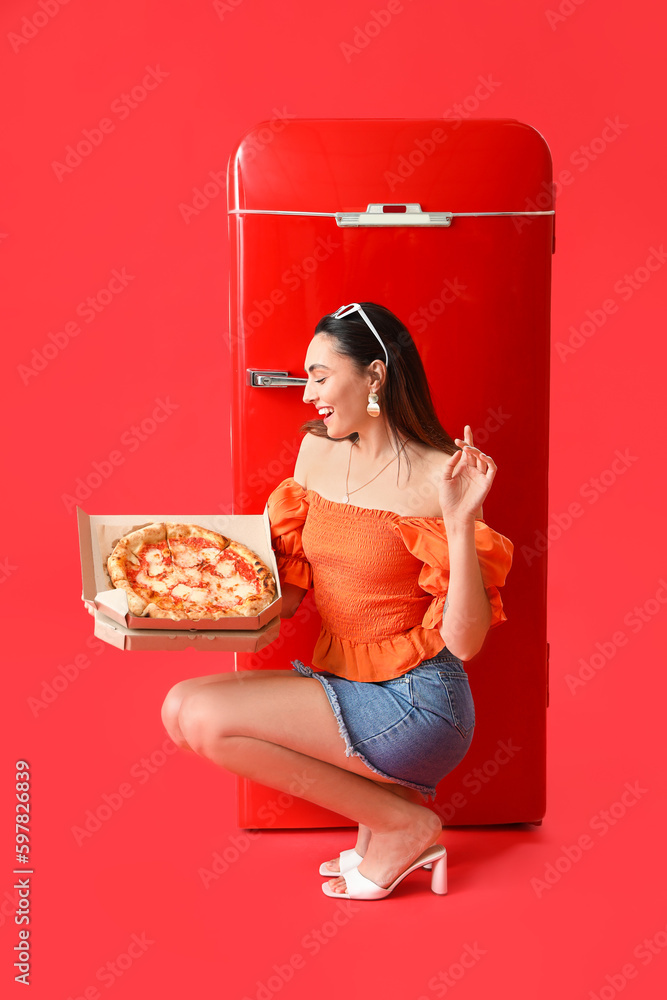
(98, 534)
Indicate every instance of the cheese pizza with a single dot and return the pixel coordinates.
(183, 571)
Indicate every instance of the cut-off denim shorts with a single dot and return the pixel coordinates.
(413, 729)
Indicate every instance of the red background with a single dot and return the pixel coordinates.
(164, 336)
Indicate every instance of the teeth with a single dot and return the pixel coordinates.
(325, 410)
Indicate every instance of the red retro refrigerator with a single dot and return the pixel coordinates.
(450, 224)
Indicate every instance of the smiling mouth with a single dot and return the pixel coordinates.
(325, 412)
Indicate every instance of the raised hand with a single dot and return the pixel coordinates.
(466, 480)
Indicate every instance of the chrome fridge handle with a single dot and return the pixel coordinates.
(261, 378)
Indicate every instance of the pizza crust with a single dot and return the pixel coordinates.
(127, 548)
(194, 531)
(179, 581)
(136, 605)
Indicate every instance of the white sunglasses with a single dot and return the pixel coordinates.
(355, 307)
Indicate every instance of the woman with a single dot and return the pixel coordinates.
(405, 576)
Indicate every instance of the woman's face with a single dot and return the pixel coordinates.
(336, 388)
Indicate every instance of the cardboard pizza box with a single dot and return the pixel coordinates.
(230, 640)
(98, 534)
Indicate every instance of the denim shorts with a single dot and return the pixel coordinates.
(413, 729)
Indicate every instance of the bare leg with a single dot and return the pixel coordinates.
(364, 832)
(400, 829)
(276, 728)
(172, 704)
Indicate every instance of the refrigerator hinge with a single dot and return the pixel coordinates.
(553, 242)
(547, 675)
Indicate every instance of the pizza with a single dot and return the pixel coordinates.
(185, 571)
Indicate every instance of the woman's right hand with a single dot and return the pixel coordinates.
(467, 439)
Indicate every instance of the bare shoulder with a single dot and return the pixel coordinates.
(314, 450)
(427, 467)
(427, 459)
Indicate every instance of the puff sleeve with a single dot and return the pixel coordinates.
(287, 508)
(426, 539)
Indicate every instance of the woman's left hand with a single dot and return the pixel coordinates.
(466, 481)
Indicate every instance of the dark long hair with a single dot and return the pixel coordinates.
(404, 397)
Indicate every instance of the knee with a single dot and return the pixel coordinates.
(171, 704)
(195, 721)
(171, 708)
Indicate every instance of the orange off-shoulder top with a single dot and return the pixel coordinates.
(380, 579)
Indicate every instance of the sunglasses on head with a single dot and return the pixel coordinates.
(355, 307)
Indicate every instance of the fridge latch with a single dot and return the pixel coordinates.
(269, 378)
(409, 214)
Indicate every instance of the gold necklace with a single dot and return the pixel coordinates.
(348, 492)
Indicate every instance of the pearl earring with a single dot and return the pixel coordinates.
(373, 409)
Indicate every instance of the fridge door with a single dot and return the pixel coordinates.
(450, 224)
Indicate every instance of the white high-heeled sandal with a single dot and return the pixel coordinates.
(347, 860)
(360, 887)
